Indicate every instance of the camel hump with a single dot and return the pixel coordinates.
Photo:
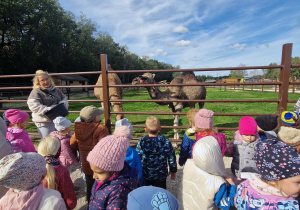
(187, 73)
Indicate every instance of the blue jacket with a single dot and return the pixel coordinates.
(188, 140)
(113, 193)
(133, 159)
(224, 198)
(156, 153)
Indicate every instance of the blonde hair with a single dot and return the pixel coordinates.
(152, 125)
(277, 184)
(35, 80)
(49, 146)
(191, 116)
(207, 130)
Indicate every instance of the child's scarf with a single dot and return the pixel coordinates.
(25, 200)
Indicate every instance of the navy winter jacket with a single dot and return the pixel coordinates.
(112, 194)
(188, 140)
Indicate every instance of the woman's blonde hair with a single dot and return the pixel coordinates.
(49, 146)
(35, 80)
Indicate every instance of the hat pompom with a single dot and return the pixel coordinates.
(122, 131)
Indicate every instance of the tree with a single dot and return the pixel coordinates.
(295, 71)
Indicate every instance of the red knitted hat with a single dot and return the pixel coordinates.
(248, 126)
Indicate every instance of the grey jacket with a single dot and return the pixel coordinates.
(42, 100)
(243, 157)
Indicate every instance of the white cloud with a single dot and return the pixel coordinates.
(180, 29)
(238, 46)
(159, 50)
(183, 43)
(197, 33)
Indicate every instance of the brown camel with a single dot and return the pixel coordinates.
(175, 93)
(115, 93)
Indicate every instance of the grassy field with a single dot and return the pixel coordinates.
(212, 94)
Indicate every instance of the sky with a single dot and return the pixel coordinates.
(198, 33)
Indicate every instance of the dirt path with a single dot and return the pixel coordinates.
(172, 186)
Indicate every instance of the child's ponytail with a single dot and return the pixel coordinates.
(49, 148)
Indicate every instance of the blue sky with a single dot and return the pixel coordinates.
(198, 33)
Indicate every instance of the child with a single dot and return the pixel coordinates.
(58, 177)
(6, 149)
(114, 177)
(290, 136)
(132, 157)
(67, 156)
(242, 148)
(204, 127)
(189, 138)
(23, 173)
(203, 184)
(266, 123)
(156, 153)
(16, 135)
(277, 184)
(149, 197)
(88, 132)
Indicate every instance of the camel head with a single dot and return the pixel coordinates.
(146, 78)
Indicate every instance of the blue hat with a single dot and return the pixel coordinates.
(289, 118)
(149, 198)
(276, 160)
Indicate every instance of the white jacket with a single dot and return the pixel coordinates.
(5, 149)
(202, 176)
(52, 200)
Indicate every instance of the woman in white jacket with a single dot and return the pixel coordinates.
(203, 184)
(43, 98)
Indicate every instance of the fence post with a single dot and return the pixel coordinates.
(294, 86)
(103, 59)
(286, 62)
(262, 86)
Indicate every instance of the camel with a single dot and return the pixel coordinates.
(175, 93)
(115, 93)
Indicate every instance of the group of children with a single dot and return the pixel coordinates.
(265, 165)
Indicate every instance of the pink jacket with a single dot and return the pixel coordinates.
(67, 154)
(19, 140)
(220, 137)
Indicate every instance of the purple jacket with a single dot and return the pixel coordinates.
(67, 155)
(112, 194)
(19, 140)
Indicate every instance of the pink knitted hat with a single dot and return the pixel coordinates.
(16, 116)
(204, 119)
(248, 126)
(109, 154)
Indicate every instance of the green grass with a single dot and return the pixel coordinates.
(212, 94)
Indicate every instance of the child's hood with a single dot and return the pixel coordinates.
(208, 157)
(289, 135)
(13, 132)
(85, 131)
(237, 136)
(128, 177)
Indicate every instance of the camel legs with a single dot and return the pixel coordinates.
(117, 108)
(176, 109)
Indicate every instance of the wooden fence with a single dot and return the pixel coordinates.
(282, 100)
